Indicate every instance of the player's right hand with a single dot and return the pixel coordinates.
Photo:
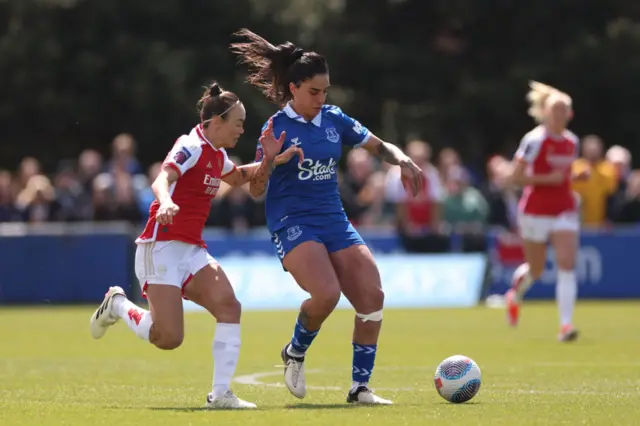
(270, 145)
(556, 177)
(166, 212)
(288, 154)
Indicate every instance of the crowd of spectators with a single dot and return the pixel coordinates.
(456, 198)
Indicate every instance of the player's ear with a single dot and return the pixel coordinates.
(293, 88)
(216, 121)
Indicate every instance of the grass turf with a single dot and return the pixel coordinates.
(53, 373)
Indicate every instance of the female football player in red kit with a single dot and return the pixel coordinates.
(548, 208)
(171, 259)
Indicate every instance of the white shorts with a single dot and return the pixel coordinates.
(169, 262)
(538, 228)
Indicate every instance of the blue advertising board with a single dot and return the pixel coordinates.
(43, 269)
(409, 281)
(74, 264)
(258, 243)
(604, 268)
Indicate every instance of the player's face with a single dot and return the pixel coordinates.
(311, 95)
(227, 132)
(558, 114)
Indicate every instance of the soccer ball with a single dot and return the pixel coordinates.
(458, 379)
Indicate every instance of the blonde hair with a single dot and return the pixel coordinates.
(540, 95)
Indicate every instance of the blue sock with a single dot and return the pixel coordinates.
(302, 338)
(364, 356)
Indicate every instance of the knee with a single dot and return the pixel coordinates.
(376, 298)
(565, 261)
(166, 339)
(327, 299)
(536, 273)
(370, 307)
(535, 270)
(228, 310)
(371, 300)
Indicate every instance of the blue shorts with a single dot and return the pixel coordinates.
(334, 236)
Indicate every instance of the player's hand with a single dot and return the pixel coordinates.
(411, 176)
(288, 154)
(166, 212)
(270, 145)
(556, 177)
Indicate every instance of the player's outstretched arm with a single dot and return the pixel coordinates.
(244, 174)
(412, 175)
(241, 175)
(386, 151)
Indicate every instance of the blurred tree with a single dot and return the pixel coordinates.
(75, 76)
(458, 69)
(76, 72)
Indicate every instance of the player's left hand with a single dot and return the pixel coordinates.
(270, 145)
(411, 176)
(288, 154)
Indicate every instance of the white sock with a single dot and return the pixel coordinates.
(226, 350)
(566, 295)
(522, 280)
(137, 319)
(356, 385)
(292, 352)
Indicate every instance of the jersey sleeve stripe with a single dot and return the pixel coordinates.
(364, 141)
(174, 167)
(229, 172)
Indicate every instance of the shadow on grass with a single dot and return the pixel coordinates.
(304, 406)
(459, 405)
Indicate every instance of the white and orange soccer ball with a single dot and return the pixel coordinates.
(458, 379)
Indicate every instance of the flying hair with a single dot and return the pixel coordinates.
(273, 67)
(540, 95)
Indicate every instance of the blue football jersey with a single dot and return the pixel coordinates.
(309, 191)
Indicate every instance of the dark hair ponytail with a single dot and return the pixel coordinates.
(214, 89)
(272, 68)
(215, 101)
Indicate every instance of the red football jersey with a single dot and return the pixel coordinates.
(545, 153)
(200, 168)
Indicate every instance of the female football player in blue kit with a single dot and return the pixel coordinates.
(310, 231)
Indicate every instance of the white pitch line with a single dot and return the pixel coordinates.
(254, 380)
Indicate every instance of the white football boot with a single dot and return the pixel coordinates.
(365, 396)
(228, 401)
(294, 374)
(103, 317)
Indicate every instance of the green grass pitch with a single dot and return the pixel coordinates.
(53, 373)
